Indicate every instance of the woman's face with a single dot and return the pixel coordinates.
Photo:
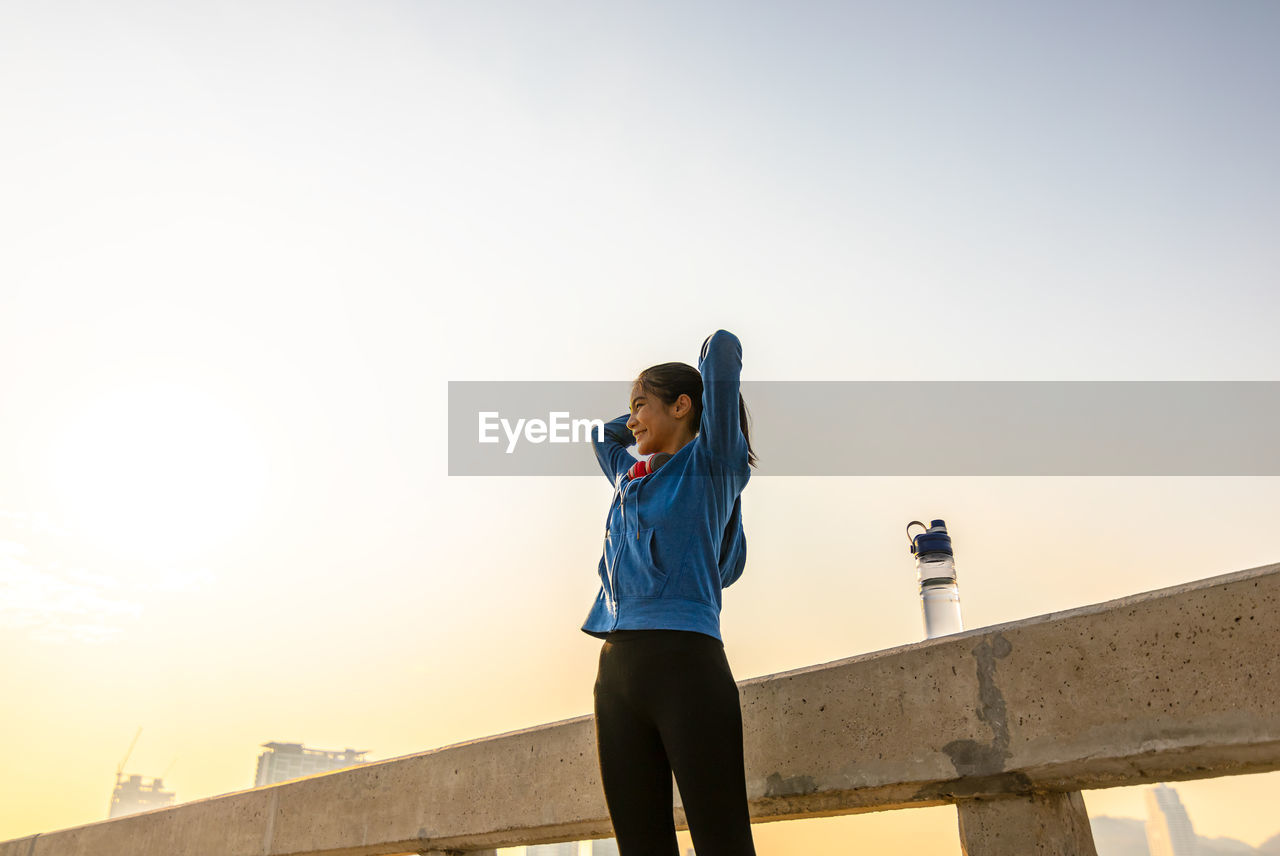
(659, 427)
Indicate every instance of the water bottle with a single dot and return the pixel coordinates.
(936, 574)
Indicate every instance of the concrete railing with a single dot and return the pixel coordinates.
(1008, 722)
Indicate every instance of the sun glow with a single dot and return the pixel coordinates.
(158, 471)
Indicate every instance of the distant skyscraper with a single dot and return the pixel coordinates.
(597, 847)
(564, 848)
(132, 795)
(284, 761)
(1169, 831)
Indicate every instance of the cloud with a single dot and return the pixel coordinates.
(56, 605)
(38, 522)
(46, 590)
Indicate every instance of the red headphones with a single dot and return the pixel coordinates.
(643, 468)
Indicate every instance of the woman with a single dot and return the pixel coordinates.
(665, 699)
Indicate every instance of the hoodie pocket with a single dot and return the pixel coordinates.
(638, 572)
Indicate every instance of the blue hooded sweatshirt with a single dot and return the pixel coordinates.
(673, 539)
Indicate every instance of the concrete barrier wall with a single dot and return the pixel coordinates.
(1173, 684)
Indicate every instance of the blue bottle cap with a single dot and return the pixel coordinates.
(934, 540)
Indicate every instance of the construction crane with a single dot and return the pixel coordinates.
(125, 759)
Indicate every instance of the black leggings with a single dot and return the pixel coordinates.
(665, 701)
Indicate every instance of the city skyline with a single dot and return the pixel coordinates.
(1166, 829)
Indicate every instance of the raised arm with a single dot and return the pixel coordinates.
(612, 452)
(721, 367)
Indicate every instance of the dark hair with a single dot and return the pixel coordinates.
(668, 381)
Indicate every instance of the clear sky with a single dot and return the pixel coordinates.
(245, 246)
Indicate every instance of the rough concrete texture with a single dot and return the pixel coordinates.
(1041, 824)
(1174, 684)
(1159, 686)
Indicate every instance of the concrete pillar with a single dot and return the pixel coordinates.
(1038, 824)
